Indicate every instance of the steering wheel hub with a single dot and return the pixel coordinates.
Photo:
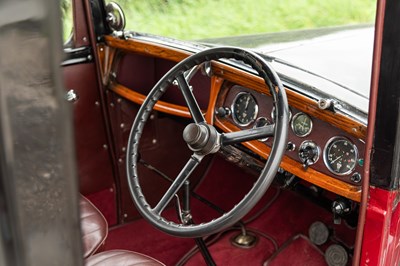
(201, 138)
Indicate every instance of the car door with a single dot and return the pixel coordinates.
(84, 93)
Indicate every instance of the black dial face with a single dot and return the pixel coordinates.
(244, 109)
(301, 125)
(340, 156)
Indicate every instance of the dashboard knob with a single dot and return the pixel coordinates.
(223, 111)
(290, 146)
(340, 207)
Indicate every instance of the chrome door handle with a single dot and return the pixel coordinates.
(71, 96)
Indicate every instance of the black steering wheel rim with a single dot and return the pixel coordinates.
(267, 175)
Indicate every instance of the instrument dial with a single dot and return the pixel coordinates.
(245, 109)
(340, 156)
(301, 124)
(273, 114)
(262, 122)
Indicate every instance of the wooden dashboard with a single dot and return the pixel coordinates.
(226, 82)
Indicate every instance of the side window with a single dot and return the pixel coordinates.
(67, 21)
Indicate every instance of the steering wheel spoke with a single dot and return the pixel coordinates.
(247, 135)
(193, 162)
(191, 102)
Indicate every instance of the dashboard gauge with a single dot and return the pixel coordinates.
(340, 156)
(301, 124)
(244, 109)
(261, 122)
(273, 114)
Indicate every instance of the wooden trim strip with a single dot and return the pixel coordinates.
(139, 98)
(329, 183)
(147, 48)
(216, 84)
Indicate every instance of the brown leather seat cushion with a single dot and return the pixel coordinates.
(121, 258)
(93, 225)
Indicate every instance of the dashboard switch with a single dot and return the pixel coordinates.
(308, 153)
(356, 178)
(340, 207)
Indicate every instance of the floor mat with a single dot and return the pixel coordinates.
(299, 251)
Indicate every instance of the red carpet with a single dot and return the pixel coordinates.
(288, 216)
(224, 253)
(298, 252)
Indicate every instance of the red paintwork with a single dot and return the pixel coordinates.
(381, 231)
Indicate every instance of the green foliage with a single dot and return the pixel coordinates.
(196, 19)
(66, 13)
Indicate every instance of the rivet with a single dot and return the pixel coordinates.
(101, 49)
(154, 141)
(84, 39)
(125, 215)
(112, 104)
(97, 103)
(120, 160)
(151, 117)
(111, 189)
(89, 57)
(122, 125)
(123, 149)
(313, 189)
(119, 100)
(105, 146)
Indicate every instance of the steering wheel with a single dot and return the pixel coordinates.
(203, 139)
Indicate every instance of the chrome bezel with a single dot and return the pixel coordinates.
(294, 119)
(255, 126)
(234, 109)
(307, 141)
(328, 143)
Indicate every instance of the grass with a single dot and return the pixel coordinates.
(197, 19)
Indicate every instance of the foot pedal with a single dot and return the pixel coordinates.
(246, 241)
(336, 255)
(318, 233)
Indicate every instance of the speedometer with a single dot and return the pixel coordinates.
(244, 109)
(340, 156)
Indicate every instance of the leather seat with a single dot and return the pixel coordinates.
(121, 258)
(94, 232)
(94, 227)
